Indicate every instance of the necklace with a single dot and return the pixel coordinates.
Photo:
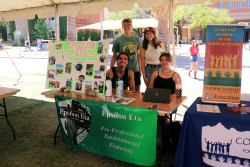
(166, 72)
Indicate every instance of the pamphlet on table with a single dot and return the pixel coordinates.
(208, 108)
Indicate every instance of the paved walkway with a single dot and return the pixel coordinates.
(36, 62)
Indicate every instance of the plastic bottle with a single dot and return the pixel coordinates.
(108, 86)
(119, 88)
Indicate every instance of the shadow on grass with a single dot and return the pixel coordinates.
(35, 122)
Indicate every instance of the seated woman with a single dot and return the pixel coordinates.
(166, 77)
(121, 72)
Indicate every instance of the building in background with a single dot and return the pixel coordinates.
(240, 11)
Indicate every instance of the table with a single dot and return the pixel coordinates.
(213, 139)
(4, 93)
(164, 110)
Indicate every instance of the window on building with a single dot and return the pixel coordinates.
(239, 5)
(230, 5)
(221, 5)
(248, 3)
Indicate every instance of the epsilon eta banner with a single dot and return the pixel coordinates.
(223, 63)
(121, 132)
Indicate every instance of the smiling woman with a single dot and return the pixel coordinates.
(150, 52)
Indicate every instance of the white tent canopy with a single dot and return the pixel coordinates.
(116, 24)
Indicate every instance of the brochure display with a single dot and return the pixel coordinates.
(223, 64)
(77, 65)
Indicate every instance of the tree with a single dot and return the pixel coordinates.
(200, 15)
(12, 28)
(135, 13)
(63, 27)
(3, 31)
(41, 29)
(31, 24)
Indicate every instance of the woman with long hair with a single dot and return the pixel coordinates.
(150, 52)
(194, 53)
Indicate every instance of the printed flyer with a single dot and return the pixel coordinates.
(223, 64)
(77, 65)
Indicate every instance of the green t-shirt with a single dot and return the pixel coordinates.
(129, 45)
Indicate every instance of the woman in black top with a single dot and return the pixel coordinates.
(166, 77)
(121, 72)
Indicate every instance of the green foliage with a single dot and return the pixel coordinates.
(95, 36)
(218, 74)
(22, 41)
(41, 29)
(12, 28)
(135, 13)
(31, 24)
(200, 15)
(209, 73)
(63, 27)
(3, 30)
(227, 74)
(236, 74)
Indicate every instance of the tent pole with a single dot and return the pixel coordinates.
(171, 29)
(57, 23)
(101, 26)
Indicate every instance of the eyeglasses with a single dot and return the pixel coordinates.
(126, 25)
(165, 52)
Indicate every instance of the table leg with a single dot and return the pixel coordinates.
(56, 134)
(6, 117)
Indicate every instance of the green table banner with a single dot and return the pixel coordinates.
(121, 132)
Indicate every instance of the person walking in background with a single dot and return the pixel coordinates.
(130, 44)
(179, 40)
(165, 78)
(27, 44)
(150, 52)
(194, 52)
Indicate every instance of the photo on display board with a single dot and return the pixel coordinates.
(78, 66)
(52, 60)
(89, 69)
(78, 86)
(95, 86)
(58, 47)
(100, 47)
(88, 85)
(69, 84)
(68, 67)
(98, 75)
(54, 84)
(81, 78)
(51, 73)
(103, 58)
(101, 87)
(102, 68)
(59, 69)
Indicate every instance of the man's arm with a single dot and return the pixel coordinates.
(131, 80)
(139, 60)
(112, 62)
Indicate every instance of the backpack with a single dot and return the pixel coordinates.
(27, 43)
(174, 134)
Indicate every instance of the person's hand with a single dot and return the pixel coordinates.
(146, 81)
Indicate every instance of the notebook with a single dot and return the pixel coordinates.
(157, 95)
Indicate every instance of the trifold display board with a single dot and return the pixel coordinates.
(77, 65)
(223, 64)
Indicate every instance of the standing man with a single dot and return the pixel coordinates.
(130, 44)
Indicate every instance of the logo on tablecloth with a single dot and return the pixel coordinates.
(225, 147)
(75, 119)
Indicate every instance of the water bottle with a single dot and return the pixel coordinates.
(119, 88)
(108, 86)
